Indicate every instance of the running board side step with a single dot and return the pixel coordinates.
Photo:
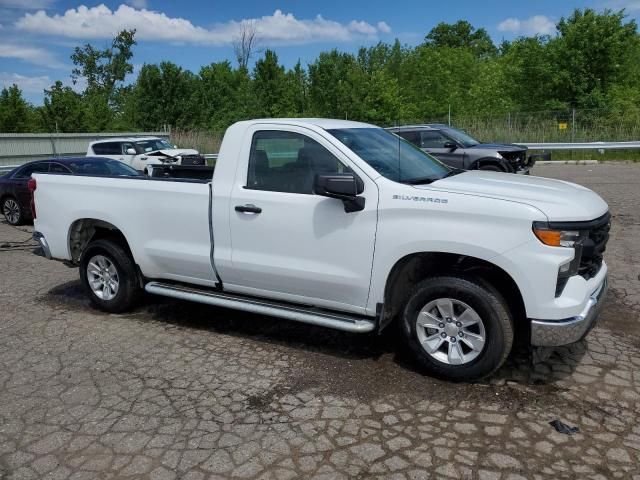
(311, 315)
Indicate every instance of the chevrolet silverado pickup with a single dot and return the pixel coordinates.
(347, 226)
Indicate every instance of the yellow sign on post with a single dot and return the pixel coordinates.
(563, 126)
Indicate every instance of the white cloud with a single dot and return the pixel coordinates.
(536, 25)
(37, 56)
(26, 4)
(362, 27)
(101, 22)
(384, 27)
(26, 84)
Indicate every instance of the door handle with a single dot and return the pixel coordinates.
(249, 208)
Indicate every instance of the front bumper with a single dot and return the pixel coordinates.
(554, 333)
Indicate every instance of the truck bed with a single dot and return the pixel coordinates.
(165, 220)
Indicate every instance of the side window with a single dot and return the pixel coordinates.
(57, 168)
(288, 162)
(412, 137)
(432, 139)
(107, 148)
(32, 168)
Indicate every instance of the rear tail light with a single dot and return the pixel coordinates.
(32, 185)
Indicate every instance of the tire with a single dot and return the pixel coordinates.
(106, 261)
(12, 211)
(455, 359)
(491, 168)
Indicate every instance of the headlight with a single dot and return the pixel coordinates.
(557, 238)
(562, 238)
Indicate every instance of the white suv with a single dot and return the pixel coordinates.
(142, 152)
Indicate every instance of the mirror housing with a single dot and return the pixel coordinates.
(131, 151)
(450, 145)
(342, 186)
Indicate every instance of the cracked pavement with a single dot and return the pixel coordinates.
(178, 390)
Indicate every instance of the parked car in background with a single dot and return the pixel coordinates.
(142, 152)
(460, 150)
(14, 193)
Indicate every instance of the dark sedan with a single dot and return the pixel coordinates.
(15, 196)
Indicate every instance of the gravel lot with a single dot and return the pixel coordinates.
(177, 390)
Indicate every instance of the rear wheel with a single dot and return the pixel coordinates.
(108, 274)
(12, 211)
(457, 328)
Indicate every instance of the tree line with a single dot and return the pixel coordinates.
(593, 61)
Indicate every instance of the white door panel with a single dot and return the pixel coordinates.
(303, 245)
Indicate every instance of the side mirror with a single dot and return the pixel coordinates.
(343, 186)
(450, 145)
(131, 151)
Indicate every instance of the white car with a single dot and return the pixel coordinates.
(144, 152)
(347, 226)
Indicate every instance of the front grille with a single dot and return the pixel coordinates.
(594, 246)
(193, 160)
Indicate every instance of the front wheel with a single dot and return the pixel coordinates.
(457, 328)
(108, 274)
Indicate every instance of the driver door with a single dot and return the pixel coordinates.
(288, 243)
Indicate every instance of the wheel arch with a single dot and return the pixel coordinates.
(484, 161)
(85, 230)
(415, 267)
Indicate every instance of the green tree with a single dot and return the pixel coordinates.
(297, 90)
(104, 72)
(270, 87)
(15, 115)
(162, 96)
(104, 69)
(461, 35)
(63, 110)
(222, 96)
(336, 85)
(593, 52)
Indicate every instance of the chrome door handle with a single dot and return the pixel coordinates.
(249, 208)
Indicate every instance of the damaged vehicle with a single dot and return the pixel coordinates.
(458, 149)
(142, 153)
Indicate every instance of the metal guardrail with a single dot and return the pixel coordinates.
(19, 148)
(583, 146)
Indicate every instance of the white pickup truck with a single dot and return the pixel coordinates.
(347, 226)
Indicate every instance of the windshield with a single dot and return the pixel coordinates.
(461, 137)
(391, 156)
(102, 168)
(153, 145)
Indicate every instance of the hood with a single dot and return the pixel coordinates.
(560, 201)
(174, 152)
(501, 147)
